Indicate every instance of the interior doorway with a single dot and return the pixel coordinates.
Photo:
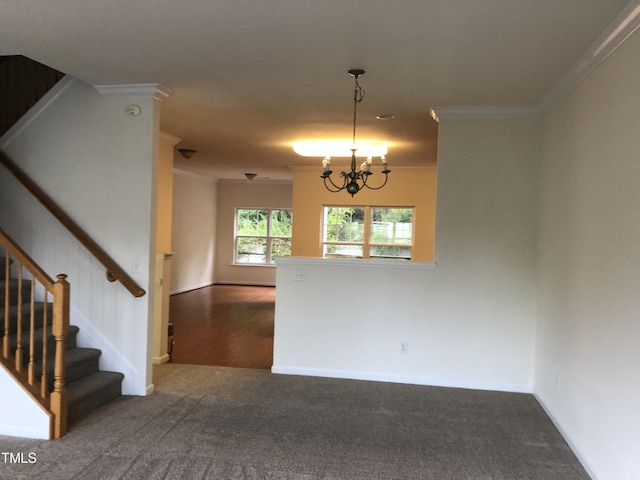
(224, 325)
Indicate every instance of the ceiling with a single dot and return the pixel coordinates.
(249, 77)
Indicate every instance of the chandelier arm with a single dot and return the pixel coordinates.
(337, 188)
(386, 178)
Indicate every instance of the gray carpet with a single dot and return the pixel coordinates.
(224, 423)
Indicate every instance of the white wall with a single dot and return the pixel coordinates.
(21, 415)
(193, 232)
(234, 194)
(98, 164)
(471, 321)
(588, 350)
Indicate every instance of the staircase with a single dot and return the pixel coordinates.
(80, 386)
(87, 386)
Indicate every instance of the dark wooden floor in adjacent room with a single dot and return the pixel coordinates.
(224, 325)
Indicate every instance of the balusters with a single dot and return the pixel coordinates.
(32, 334)
(19, 323)
(44, 391)
(21, 341)
(5, 338)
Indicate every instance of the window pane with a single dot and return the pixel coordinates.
(280, 223)
(392, 225)
(342, 251)
(344, 224)
(280, 247)
(252, 222)
(378, 251)
(251, 250)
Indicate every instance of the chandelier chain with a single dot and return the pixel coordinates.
(358, 96)
(354, 180)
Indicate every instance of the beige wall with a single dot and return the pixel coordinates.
(244, 194)
(194, 232)
(407, 187)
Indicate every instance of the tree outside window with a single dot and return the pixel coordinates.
(262, 235)
(368, 232)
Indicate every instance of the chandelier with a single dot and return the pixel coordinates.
(356, 179)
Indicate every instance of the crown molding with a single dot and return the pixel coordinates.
(196, 176)
(624, 25)
(481, 112)
(255, 181)
(167, 137)
(154, 90)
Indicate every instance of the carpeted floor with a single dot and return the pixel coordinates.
(223, 423)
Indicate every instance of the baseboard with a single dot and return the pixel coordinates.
(567, 438)
(191, 288)
(248, 284)
(407, 379)
(160, 360)
(204, 285)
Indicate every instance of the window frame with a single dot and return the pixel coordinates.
(269, 260)
(366, 242)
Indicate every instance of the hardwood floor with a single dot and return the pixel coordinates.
(224, 325)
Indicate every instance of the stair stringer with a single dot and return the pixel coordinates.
(35, 111)
(20, 414)
(110, 359)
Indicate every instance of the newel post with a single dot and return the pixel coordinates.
(59, 330)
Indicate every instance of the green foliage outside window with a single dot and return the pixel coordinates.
(253, 222)
(389, 233)
(344, 224)
(262, 235)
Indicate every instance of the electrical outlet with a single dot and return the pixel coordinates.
(404, 346)
(299, 276)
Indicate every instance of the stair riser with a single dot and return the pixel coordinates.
(109, 391)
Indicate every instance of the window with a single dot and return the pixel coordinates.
(368, 232)
(262, 235)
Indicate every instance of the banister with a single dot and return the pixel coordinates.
(114, 271)
(25, 259)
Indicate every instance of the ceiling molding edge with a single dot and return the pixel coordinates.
(194, 175)
(172, 139)
(484, 112)
(256, 181)
(624, 25)
(154, 90)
